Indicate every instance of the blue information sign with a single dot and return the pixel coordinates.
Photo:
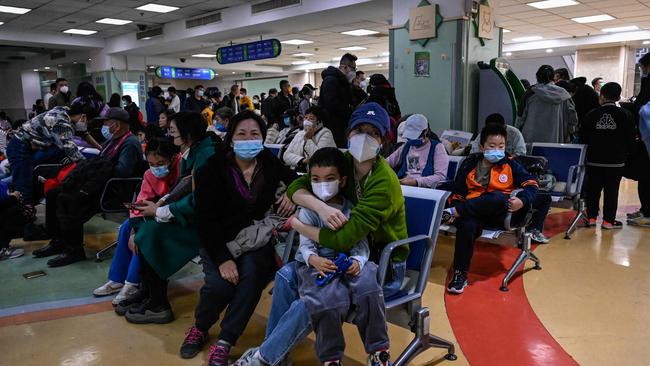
(170, 72)
(260, 50)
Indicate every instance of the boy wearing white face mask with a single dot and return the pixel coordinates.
(329, 304)
(481, 198)
(311, 138)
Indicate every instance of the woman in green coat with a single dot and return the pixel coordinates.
(166, 238)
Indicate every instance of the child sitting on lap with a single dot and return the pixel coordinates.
(329, 304)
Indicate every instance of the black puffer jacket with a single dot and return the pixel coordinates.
(336, 99)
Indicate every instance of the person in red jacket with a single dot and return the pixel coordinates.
(481, 197)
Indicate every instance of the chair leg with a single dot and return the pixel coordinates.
(424, 340)
(98, 256)
(534, 258)
(574, 224)
(523, 255)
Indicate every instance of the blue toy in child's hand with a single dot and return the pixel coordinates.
(342, 263)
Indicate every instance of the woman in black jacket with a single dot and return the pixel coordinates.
(238, 185)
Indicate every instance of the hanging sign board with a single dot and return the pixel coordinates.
(260, 50)
(170, 72)
(422, 22)
(485, 22)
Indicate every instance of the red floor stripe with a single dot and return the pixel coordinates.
(501, 328)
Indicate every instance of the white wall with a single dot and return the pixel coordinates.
(31, 88)
(526, 68)
(11, 93)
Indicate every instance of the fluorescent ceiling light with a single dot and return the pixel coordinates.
(145, 38)
(527, 39)
(620, 29)
(297, 42)
(233, 72)
(157, 8)
(508, 53)
(506, 30)
(81, 32)
(114, 21)
(548, 4)
(549, 50)
(352, 48)
(360, 32)
(380, 65)
(13, 10)
(646, 42)
(203, 55)
(593, 18)
(46, 67)
(35, 70)
(302, 54)
(1, 23)
(301, 62)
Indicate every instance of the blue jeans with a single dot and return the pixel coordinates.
(125, 265)
(289, 321)
(23, 160)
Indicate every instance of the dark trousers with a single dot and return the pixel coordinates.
(488, 210)
(607, 180)
(71, 236)
(255, 270)
(153, 284)
(23, 160)
(11, 223)
(541, 206)
(644, 196)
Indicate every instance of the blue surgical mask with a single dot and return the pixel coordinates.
(106, 132)
(494, 155)
(201, 92)
(160, 171)
(248, 149)
(220, 127)
(287, 121)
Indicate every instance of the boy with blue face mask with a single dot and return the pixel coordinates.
(481, 197)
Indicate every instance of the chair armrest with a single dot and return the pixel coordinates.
(112, 181)
(442, 184)
(386, 253)
(577, 172)
(507, 221)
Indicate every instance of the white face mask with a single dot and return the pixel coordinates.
(306, 124)
(351, 76)
(363, 147)
(64, 89)
(325, 190)
(363, 84)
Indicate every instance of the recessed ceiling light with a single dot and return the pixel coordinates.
(152, 67)
(297, 42)
(646, 42)
(384, 54)
(1, 23)
(216, 74)
(90, 59)
(527, 39)
(13, 10)
(380, 65)
(157, 8)
(352, 48)
(145, 38)
(233, 72)
(549, 50)
(46, 67)
(74, 62)
(81, 32)
(593, 18)
(302, 54)
(301, 62)
(203, 55)
(359, 32)
(307, 70)
(548, 4)
(59, 65)
(114, 21)
(620, 29)
(506, 30)
(508, 53)
(35, 70)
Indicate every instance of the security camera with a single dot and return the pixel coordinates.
(142, 27)
(182, 59)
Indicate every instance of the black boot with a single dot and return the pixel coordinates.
(55, 247)
(67, 257)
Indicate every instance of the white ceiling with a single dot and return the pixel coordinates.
(59, 15)
(523, 20)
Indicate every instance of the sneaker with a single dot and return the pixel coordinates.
(458, 282)
(146, 313)
(219, 354)
(611, 225)
(333, 363)
(250, 358)
(591, 222)
(640, 221)
(381, 358)
(634, 215)
(138, 298)
(538, 237)
(11, 253)
(108, 288)
(448, 216)
(193, 343)
(128, 290)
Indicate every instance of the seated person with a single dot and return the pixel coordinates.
(328, 305)
(285, 134)
(219, 126)
(236, 186)
(12, 219)
(312, 137)
(421, 161)
(124, 273)
(73, 203)
(515, 145)
(481, 197)
(379, 212)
